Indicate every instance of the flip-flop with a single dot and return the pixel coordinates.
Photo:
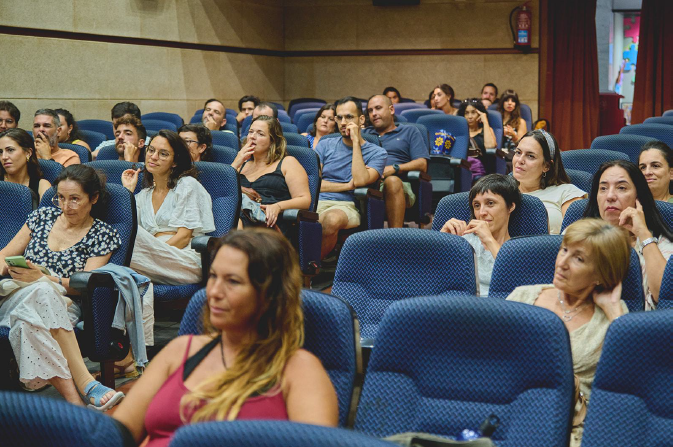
(97, 391)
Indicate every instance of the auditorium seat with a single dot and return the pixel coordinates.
(295, 139)
(668, 120)
(526, 220)
(304, 103)
(589, 160)
(101, 126)
(401, 107)
(221, 138)
(581, 179)
(531, 260)
(632, 397)
(331, 332)
(157, 125)
(82, 152)
(113, 170)
(662, 132)
(379, 267)
(628, 144)
(441, 365)
(93, 139)
(50, 169)
(224, 154)
(412, 115)
(173, 118)
(30, 420)
(270, 434)
(666, 290)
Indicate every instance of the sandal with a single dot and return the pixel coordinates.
(122, 373)
(97, 391)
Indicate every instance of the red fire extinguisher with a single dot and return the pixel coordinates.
(524, 21)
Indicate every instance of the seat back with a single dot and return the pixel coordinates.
(412, 115)
(50, 169)
(666, 289)
(660, 120)
(514, 267)
(304, 120)
(29, 420)
(526, 220)
(82, 152)
(113, 170)
(576, 210)
(628, 144)
(304, 103)
(93, 139)
(495, 121)
(15, 206)
(120, 214)
(455, 125)
(581, 179)
(295, 139)
(101, 126)
(668, 113)
(221, 138)
(158, 125)
(283, 117)
(632, 397)
(222, 183)
(662, 132)
(269, 433)
(331, 333)
(224, 154)
(589, 160)
(310, 161)
(527, 116)
(301, 112)
(173, 118)
(402, 106)
(441, 365)
(379, 267)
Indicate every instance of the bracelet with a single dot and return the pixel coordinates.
(60, 281)
(646, 242)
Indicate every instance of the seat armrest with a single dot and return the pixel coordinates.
(296, 215)
(203, 246)
(415, 176)
(200, 243)
(496, 153)
(86, 282)
(365, 193)
(460, 163)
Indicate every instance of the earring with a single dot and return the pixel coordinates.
(544, 174)
(27, 157)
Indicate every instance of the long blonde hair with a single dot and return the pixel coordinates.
(278, 146)
(274, 272)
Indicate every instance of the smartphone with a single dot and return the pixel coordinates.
(16, 261)
(20, 262)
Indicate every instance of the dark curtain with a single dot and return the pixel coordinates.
(571, 86)
(653, 92)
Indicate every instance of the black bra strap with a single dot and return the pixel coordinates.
(194, 360)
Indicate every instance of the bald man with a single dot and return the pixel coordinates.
(406, 152)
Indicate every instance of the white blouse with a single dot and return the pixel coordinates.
(553, 198)
(188, 205)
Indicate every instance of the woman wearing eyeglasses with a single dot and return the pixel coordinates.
(173, 207)
(66, 239)
(199, 141)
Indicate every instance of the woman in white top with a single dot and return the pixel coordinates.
(173, 208)
(538, 167)
(621, 196)
(492, 200)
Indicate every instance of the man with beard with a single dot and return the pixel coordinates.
(130, 137)
(45, 133)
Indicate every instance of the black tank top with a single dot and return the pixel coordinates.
(272, 186)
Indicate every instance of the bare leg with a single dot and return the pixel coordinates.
(80, 374)
(393, 195)
(67, 389)
(332, 221)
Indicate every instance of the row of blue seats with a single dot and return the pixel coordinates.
(440, 366)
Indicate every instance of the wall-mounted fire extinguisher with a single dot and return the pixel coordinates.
(524, 22)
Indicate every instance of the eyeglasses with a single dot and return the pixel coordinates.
(151, 150)
(188, 142)
(340, 118)
(61, 202)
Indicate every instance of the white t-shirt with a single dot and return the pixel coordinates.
(485, 261)
(553, 198)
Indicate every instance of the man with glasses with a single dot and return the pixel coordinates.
(348, 162)
(406, 152)
(45, 134)
(9, 116)
(130, 137)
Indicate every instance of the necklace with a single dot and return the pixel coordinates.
(569, 314)
(222, 352)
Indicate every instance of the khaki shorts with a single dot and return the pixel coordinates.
(409, 196)
(346, 206)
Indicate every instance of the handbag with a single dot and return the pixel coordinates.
(411, 439)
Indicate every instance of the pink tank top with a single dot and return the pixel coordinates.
(163, 414)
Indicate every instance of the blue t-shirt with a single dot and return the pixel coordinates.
(403, 144)
(337, 159)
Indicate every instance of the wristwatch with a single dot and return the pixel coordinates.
(396, 167)
(646, 242)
